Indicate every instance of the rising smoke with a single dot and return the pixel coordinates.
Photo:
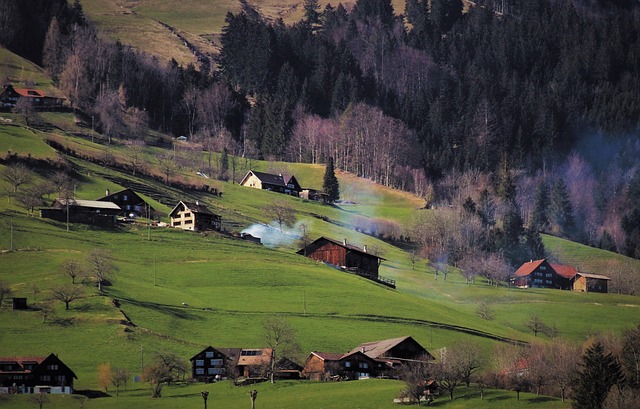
(271, 235)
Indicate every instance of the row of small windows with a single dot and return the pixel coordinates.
(362, 365)
(210, 371)
(214, 362)
(47, 378)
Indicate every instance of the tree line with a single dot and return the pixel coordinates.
(411, 100)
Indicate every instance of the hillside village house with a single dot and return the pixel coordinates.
(348, 257)
(218, 363)
(542, 274)
(35, 374)
(371, 359)
(130, 202)
(194, 217)
(10, 96)
(275, 183)
(82, 211)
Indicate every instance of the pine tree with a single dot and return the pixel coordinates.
(561, 210)
(599, 373)
(330, 185)
(539, 220)
(224, 164)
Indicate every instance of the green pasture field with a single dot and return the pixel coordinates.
(24, 74)
(364, 394)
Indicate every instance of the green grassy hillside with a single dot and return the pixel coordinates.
(229, 286)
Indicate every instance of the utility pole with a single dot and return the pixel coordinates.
(91, 128)
(141, 359)
(148, 223)
(11, 239)
(155, 273)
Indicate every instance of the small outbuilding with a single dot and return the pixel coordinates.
(591, 283)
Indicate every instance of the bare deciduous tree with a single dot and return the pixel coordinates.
(415, 375)
(40, 399)
(281, 212)
(168, 165)
(281, 338)
(67, 293)
(101, 266)
(119, 377)
(24, 107)
(135, 155)
(535, 325)
(485, 312)
(5, 290)
(17, 175)
(73, 268)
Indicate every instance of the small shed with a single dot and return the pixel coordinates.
(19, 303)
(591, 283)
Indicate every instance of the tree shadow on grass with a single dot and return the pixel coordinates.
(63, 321)
(541, 399)
(92, 393)
(171, 310)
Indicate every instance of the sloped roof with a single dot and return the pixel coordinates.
(341, 244)
(595, 276)
(376, 349)
(564, 271)
(254, 356)
(328, 356)
(194, 207)
(96, 204)
(528, 268)
(28, 92)
(22, 361)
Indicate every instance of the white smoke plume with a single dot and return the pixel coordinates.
(271, 236)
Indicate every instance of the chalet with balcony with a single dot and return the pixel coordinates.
(131, 204)
(276, 183)
(35, 374)
(542, 274)
(194, 217)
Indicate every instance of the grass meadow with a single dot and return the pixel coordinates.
(183, 291)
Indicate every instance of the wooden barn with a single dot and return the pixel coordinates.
(276, 183)
(9, 97)
(401, 349)
(194, 217)
(343, 255)
(591, 283)
(82, 211)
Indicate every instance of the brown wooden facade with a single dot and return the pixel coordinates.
(35, 374)
(130, 202)
(343, 255)
(542, 274)
(591, 283)
(92, 212)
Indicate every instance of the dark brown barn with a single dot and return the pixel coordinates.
(130, 202)
(343, 255)
(542, 274)
(82, 211)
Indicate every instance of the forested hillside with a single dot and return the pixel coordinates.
(488, 105)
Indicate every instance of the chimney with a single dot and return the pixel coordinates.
(364, 248)
(107, 193)
(344, 242)
(362, 350)
(197, 203)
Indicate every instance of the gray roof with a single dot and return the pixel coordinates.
(96, 204)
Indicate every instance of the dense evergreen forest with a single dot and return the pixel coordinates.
(522, 112)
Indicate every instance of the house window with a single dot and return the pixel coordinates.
(188, 221)
(176, 223)
(199, 371)
(215, 371)
(549, 282)
(537, 274)
(61, 378)
(45, 378)
(125, 197)
(347, 364)
(549, 275)
(8, 367)
(216, 362)
(543, 268)
(363, 375)
(52, 367)
(17, 377)
(187, 215)
(209, 354)
(363, 365)
(537, 281)
(199, 362)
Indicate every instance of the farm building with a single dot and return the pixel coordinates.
(35, 374)
(275, 183)
(542, 274)
(130, 202)
(371, 359)
(82, 211)
(194, 216)
(219, 363)
(591, 283)
(9, 97)
(347, 257)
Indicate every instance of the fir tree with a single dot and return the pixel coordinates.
(599, 373)
(330, 185)
(224, 164)
(539, 219)
(561, 210)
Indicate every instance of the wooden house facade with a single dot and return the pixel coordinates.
(343, 255)
(46, 374)
(93, 212)
(276, 183)
(400, 349)
(210, 364)
(542, 274)
(194, 217)
(9, 97)
(591, 283)
(131, 204)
